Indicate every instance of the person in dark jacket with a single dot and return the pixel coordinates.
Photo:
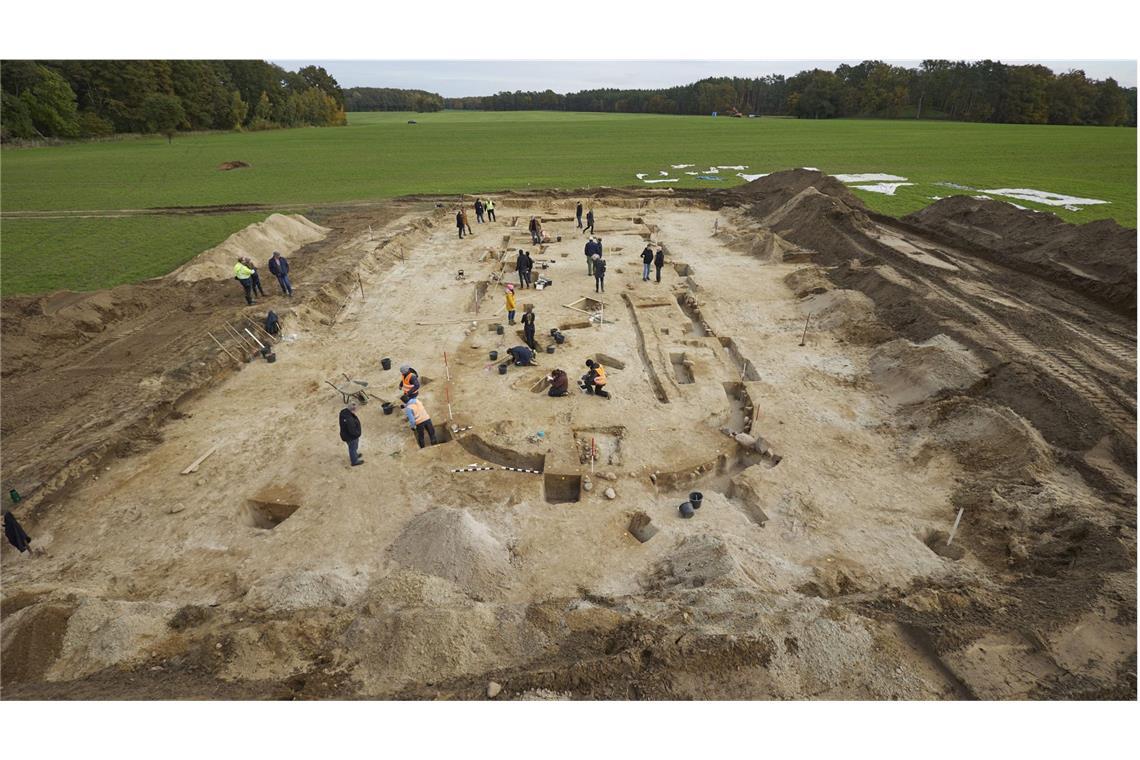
(279, 268)
(599, 274)
(590, 221)
(15, 534)
(594, 381)
(528, 328)
(521, 268)
(591, 249)
(659, 260)
(459, 223)
(559, 383)
(534, 238)
(350, 432)
(646, 260)
(479, 210)
(522, 355)
(529, 269)
(578, 214)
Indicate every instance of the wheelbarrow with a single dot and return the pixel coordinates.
(352, 389)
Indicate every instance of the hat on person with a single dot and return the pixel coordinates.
(510, 286)
(405, 367)
(590, 363)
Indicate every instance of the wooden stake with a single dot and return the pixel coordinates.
(361, 284)
(194, 465)
(954, 530)
(804, 336)
(241, 338)
(236, 359)
(446, 368)
(447, 393)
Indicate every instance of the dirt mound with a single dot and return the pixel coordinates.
(452, 544)
(231, 165)
(258, 241)
(304, 589)
(768, 194)
(101, 633)
(32, 640)
(1098, 258)
(912, 372)
(983, 436)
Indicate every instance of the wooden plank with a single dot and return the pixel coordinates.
(194, 466)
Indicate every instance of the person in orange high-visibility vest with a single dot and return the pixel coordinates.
(409, 383)
(420, 421)
(594, 381)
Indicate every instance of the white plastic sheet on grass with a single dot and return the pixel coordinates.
(682, 166)
(641, 176)
(734, 168)
(655, 181)
(886, 188)
(1044, 197)
(663, 174)
(869, 178)
(751, 177)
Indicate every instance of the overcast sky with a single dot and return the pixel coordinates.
(459, 78)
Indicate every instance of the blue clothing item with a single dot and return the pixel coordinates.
(286, 286)
(410, 415)
(645, 271)
(353, 445)
(279, 266)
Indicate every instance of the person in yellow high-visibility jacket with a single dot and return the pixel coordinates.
(510, 299)
(244, 275)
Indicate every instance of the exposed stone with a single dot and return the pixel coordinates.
(493, 689)
(744, 439)
(611, 476)
(611, 493)
(587, 484)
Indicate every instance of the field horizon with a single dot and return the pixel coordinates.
(379, 155)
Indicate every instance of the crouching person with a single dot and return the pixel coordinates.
(420, 420)
(594, 381)
(559, 383)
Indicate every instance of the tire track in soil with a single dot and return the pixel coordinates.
(1053, 363)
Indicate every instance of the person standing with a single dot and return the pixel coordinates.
(510, 301)
(244, 275)
(520, 267)
(279, 268)
(254, 278)
(659, 260)
(594, 381)
(479, 210)
(459, 223)
(490, 209)
(559, 383)
(534, 231)
(599, 273)
(578, 214)
(528, 327)
(467, 224)
(646, 260)
(528, 263)
(420, 421)
(409, 383)
(350, 432)
(590, 221)
(590, 251)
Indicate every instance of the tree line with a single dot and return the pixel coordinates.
(391, 99)
(987, 91)
(64, 99)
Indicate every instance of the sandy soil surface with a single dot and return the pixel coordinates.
(932, 377)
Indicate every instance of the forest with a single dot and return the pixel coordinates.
(99, 98)
(983, 91)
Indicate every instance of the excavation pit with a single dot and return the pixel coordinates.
(682, 368)
(641, 527)
(267, 516)
(605, 443)
(561, 489)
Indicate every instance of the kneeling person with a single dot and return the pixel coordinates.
(523, 356)
(559, 383)
(420, 421)
(594, 381)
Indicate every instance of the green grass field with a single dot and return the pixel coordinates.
(379, 155)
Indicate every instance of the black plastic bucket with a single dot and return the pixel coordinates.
(559, 338)
(550, 349)
(498, 329)
(494, 355)
(386, 363)
(270, 357)
(695, 498)
(387, 407)
(686, 510)
(502, 369)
